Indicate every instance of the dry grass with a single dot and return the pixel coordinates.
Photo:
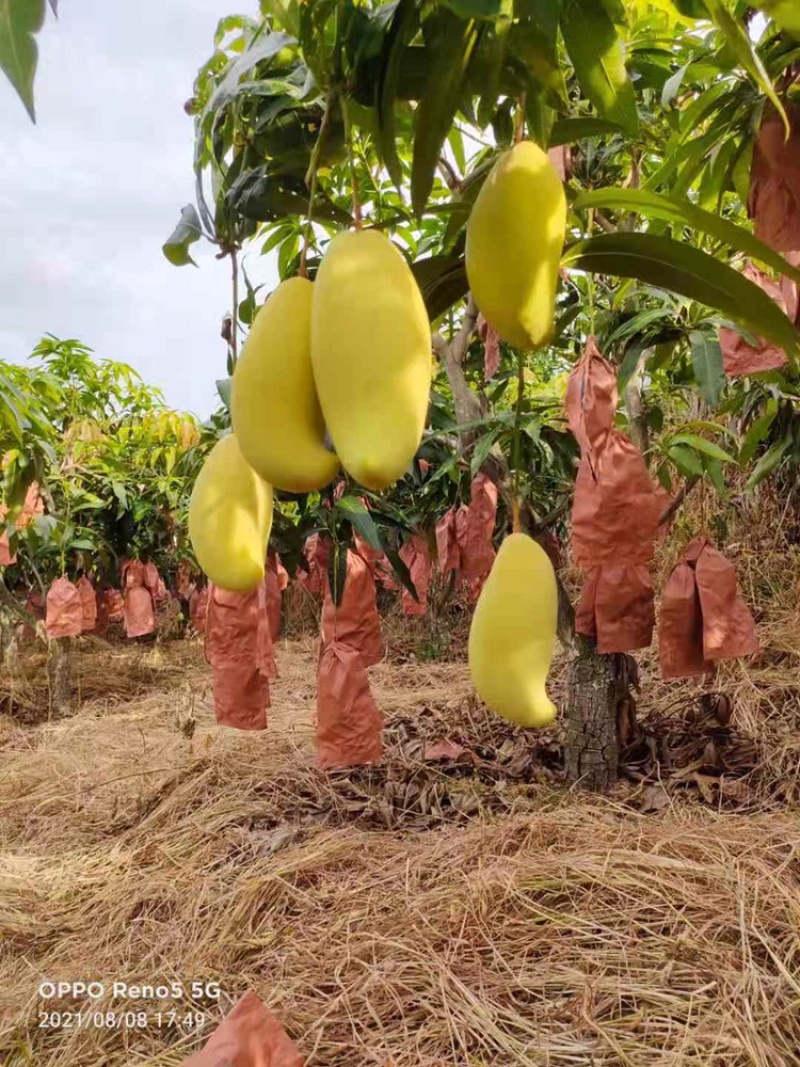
(565, 932)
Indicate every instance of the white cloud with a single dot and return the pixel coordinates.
(89, 194)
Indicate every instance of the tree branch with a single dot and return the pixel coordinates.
(460, 343)
(680, 496)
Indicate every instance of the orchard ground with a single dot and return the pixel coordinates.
(454, 905)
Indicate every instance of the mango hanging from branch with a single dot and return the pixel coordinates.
(513, 632)
(515, 236)
(274, 406)
(230, 518)
(371, 353)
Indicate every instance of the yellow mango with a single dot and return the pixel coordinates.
(274, 407)
(230, 518)
(371, 353)
(515, 235)
(513, 632)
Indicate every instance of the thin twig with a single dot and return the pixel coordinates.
(680, 496)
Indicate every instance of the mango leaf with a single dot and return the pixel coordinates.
(768, 463)
(680, 268)
(337, 571)
(743, 48)
(682, 211)
(353, 509)
(20, 21)
(713, 469)
(442, 281)
(476, 9)
(785, 12)
(570, 131)
(176, 247)
(224, 389)
(596, 54)
(402, 572)
(687, 461)
(758, 432)
(403, 26)
(672, 85)
(285, 13)
(700, 444)
(264, 48)
(435, 112)
(708, 367)
(483, 446)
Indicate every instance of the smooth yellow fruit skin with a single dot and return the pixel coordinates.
(274, 407)
(230, 518)
(515, 236)
(371, 353)
(513, 631)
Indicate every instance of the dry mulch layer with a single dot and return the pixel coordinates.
(454, 905)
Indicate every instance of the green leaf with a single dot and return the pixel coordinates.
(262, 48)
(476, 9)
(176, 247)
(758, 432)
(285, 13)
(687, 461)
(700, 444)
(83, 543)
(708, 367)
(744, 49)
(483, 446)
(402, 572)
(785, 12)
(768, 463)
(353, 509)
(224, 389)
(570, 131)
(680, 268)
(337, 571)
(539, 54)
(442, 281)
(436, 111)
(685, 213)
(672, 85)
(596, 54)
(713, 469)
(20, 21)
(403, 26)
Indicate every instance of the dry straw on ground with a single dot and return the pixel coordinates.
(425, 913)
(565, 932)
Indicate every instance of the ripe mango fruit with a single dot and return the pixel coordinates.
(274, 407)
(371, 353)
(230, 518)
(515, 236)
(513, 631)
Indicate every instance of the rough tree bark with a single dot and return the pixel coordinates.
(59, 675)
(591, 741)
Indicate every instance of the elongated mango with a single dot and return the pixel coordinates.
(371, 353)
(274, 407)
(230, 518)
(513, 631)
(515, 235)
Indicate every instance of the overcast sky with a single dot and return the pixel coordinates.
(89, 194)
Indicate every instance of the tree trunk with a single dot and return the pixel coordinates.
(637, 416)
(591, 743)
(59, 672)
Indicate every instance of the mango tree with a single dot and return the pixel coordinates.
(326, 114)
(113, 466)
